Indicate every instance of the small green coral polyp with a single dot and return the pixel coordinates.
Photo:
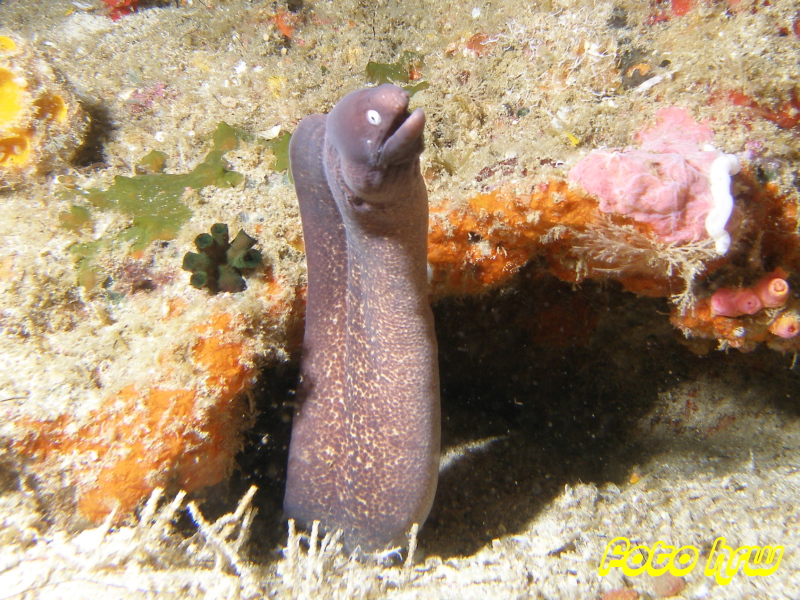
(218, 264)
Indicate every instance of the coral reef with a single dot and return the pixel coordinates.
(169, 413)
(485, 243)
(647, 228)
(659, 218)
(41, 121)
(109, 392)
(220, 263)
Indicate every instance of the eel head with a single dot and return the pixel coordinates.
(374, 135)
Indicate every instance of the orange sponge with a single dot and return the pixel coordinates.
(484, 243)
(140, 439)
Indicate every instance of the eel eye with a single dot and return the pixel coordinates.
(374, 117)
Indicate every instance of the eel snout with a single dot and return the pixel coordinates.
(405, 141)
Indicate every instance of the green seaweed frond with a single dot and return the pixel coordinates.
(154, 200)
(398, 72)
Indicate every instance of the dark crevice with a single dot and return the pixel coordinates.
(547, 382)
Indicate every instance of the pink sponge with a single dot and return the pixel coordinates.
(786, 325)
(728, 302)
(773, 289)
(675, 131)
(665, 183)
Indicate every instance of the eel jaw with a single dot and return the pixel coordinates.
(404, 141)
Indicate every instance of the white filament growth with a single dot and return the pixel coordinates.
(719, 177)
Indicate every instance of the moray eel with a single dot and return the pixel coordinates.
(364, 453)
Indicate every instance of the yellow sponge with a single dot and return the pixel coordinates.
(41, 122)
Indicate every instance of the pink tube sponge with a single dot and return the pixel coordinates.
(667, 183)
(727, 302)
(786, 326)
(773, 289)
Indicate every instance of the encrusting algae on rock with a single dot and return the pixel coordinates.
(484, 243)
(156, 436)
(41, 121)
(660, 220)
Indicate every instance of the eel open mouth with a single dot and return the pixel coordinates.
(404, 138)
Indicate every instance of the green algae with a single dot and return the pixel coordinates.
(280, 148)
(225, 135)
(154, 201)
(76, 219)
(155, 162)
(398, 72)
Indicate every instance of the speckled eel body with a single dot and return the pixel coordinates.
(364, 454)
